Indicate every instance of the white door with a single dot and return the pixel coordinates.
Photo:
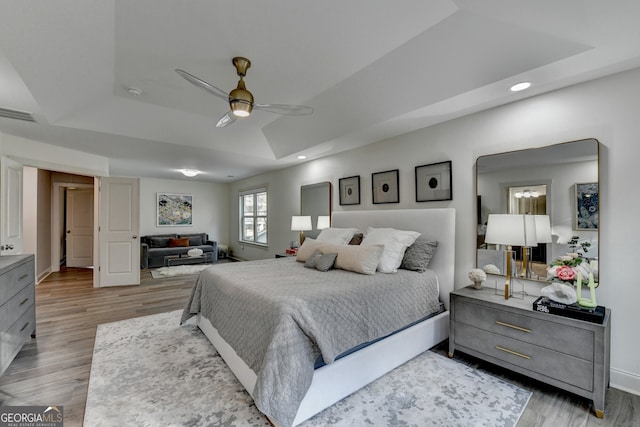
(119, 229)
(11, 201)
(79, 227)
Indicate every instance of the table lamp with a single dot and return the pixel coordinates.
(323, 222)
(301, 224)
(509, 230)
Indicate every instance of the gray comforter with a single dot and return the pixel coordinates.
(279, 316)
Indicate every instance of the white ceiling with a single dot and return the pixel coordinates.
(371, 69)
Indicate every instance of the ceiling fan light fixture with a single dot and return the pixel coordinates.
(241, 100)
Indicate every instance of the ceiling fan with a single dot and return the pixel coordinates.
(240, 99)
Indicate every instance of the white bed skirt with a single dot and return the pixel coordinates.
(337, 380)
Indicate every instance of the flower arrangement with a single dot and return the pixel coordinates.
(567, 267)
(477, 275)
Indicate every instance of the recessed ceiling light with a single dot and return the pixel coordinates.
(189, 172)
(302, 157)
(520, 86)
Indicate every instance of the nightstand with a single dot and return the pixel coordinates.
(283, 255)
(566, 353)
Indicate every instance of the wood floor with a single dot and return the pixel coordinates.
(53, 369)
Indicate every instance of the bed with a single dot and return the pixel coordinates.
(311, 364)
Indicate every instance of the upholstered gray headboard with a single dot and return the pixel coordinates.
(436, 224)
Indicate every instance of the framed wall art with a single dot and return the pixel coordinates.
(586, 198)
(433, 182)
(349, 190)
(384, 186)
(174, 209)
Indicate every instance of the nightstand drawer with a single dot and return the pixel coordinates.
(547, 334)
(554, 364)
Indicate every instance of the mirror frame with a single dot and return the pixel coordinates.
(316, 199)
(536, 155)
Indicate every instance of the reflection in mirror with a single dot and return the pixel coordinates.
(559, 181)
(315, 201)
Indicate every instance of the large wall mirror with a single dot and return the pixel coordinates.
(315, 201)
(559, 181)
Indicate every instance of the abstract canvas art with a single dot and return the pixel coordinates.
(174, 209)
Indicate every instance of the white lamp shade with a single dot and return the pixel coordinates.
(301, 223)
(512, 230)
(323, 222)
(543, 229)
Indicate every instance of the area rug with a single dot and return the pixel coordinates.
(149, 371)
(178, 270)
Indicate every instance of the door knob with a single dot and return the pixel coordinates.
(134, 237)
(68, 231)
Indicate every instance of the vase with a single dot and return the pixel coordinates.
(477, 285)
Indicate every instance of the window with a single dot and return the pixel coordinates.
(253, 216)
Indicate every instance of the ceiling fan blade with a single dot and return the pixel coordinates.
(203, 85)
(287, 110)
(226, 120)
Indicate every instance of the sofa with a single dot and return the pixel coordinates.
(155, 247)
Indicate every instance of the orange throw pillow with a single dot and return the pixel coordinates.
(176, 243)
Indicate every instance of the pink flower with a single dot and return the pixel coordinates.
(566, 273)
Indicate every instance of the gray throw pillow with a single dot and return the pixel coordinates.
(320, 261)
(325, 261)
(418, 256)
(311, 261)
(159, 242)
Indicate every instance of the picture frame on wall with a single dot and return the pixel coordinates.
(349, 188)
(587, 201)
(174, 210)
(433, 182)
(385, 187)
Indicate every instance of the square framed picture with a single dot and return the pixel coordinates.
(385, 187)
(433, 182)
(349, 190)
(586, 206)
(174, 209)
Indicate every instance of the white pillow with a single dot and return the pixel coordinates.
(339, 236)
(308, 247)
(395, 243)
(359, 259)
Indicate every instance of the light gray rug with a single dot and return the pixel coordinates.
(178, 270)
(150, 371)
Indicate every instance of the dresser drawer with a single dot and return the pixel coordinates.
(550, 363)
(540, 333)
(20, 303)
(15, 279)
(14, 338)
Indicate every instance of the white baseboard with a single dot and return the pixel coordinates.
(43, 275)
(625, 381)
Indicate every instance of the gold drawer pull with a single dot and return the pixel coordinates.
(24, 301)
(509, 325)
(25, 326)
(524, 356)
(24, 276)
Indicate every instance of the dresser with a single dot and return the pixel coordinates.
(567, 353)
(17, 305)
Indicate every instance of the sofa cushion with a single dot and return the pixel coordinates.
(159, 242)
(175, 243)
(195, 241)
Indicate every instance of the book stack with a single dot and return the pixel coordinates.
(575, 311)
(291, 251)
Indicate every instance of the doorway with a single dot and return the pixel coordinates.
(72, 225)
